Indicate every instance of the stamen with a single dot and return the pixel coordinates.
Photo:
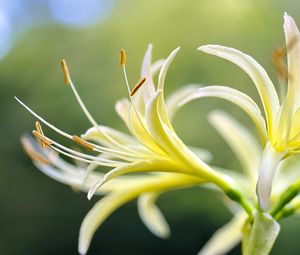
(82, 156)
(117, 153)
(38, 128)
(83, 143)
(65, 72)
(136, 112)
(89, 116)
(42, 138)
(138, 86)
(122, 57)
(32, 153)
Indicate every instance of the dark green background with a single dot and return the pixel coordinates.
(41, 216)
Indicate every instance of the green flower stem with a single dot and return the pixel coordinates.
(286, 197)
(285, 212)
(227, 185)
(236, 196)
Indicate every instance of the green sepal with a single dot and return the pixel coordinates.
(259, 234)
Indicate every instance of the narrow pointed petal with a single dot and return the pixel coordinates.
(174, 147)
(160, 86)
(268, 167)
(147, 61)
(292, 37)
(98, 214)
(123, 108)
(137, 167)
(148, 89)
(173, 101)
(256, 72)
(93, 134)
(203, 154)
(114, 200)
(152, 216)
(241, 141)
(165, 67)
(295, 131)
(225, 238)
(166, 138)
(236, 97)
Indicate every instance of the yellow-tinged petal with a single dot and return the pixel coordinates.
(176, 148)
(93, 134)
(292, 101)
(236, 97)
(160, 86)
(151, 165)
(152, 216)
(164, 69)
(203, 154)
(173, 101)
(140, 130)
(114, 200)
(256, 72)
(225, 238)
(295, 131)
(166, 138)
(267, 169)
(241, 141)
(292, 37)
(122, 108)
(98, 214)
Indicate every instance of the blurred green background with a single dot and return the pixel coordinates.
(41, 216)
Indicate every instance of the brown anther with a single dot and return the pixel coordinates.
(65, 72)
(122, 57)
(137, 86)
(42, 138)
(38, 128)
(83, 143)
(278, 54)
(32, 153)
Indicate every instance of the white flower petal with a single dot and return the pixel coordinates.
(173, 101)
(236, 97)
(225, 238)
(136, 167)
(152, 216)
(292, 37)
(256, 72)
(241, 141)
(203, 154)
(160, 86)
(93, 134)
(122, 107)
(98, 214)
(165, 67)
(114, 200)
(268, 167)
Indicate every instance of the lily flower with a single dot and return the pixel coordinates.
(279, 124)
(153, 148)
